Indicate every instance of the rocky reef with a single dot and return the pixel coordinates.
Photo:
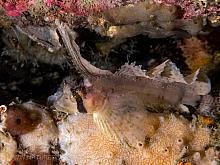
(115, 82)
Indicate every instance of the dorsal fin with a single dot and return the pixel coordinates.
(167, 72)
(192, 77)
(202, 85)
(200, 82)
(131, 70)
(155, 73)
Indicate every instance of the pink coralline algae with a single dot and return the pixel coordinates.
(191, 8)
(50, 3)
(76, 7)
(88, 7)
(15, 8)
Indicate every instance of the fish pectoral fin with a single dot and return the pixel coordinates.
(123, 123)
(106, 128)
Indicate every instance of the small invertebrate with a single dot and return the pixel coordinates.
(21, 121)
(207, 120)
(3, 108)
(122, 123)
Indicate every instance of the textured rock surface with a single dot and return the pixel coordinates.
(40, 138)
(155, 20)
(8, 148)
(133, 116)
(33, 43)
(8, 145)
(170, 139)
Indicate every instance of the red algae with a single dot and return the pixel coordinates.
(76, 7)
(15, 8)
(191, 8)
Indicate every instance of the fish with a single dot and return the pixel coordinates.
(120, 102)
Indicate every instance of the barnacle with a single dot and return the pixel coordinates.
(185, 163)
(206, 120)
(3, 108)
(63, 100)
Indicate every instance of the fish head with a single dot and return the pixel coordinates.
(93, 97)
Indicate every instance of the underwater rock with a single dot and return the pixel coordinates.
(32, 129)
(8, 148)
(193, 8)
(8, 145)
(36, 44)
(118, 20)
(149, 18)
